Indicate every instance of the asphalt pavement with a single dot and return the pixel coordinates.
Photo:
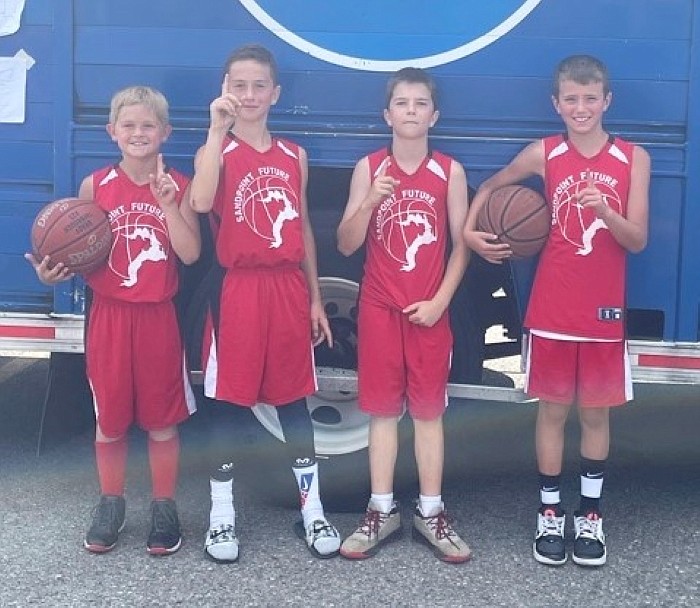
(651, 507)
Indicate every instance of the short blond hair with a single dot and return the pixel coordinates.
(152, 98)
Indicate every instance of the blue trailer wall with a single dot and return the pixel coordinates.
(494, 99)
(26, 162)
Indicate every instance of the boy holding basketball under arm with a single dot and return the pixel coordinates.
(135, 358)
(406, 203)
(597, 187)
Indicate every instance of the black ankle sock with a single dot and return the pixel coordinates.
(557, 508)
(589, 504)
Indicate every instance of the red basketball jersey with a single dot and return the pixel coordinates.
(408, 234)
(142, 267)
(259, 206)
(579, 286)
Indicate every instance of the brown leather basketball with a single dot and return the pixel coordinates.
(73, 231)
(519, 216)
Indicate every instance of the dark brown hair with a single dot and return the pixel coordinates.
(411, 75)
(254, 52)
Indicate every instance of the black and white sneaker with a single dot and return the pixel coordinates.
(549, 547)
(589, 543)
(107, 522)
(165, 537)
(221, 544)
(321, 537)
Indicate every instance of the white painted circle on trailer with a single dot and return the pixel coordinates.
(519, 11)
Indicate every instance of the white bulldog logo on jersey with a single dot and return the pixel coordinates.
(266, 202)
(577, 224)
(140, 237)
(406, 224)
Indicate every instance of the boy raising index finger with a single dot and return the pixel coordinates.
(406, 203)
(267, 314)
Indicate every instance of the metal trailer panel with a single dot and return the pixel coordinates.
(493, 102)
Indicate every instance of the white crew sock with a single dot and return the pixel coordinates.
(383, 502)
(430, 505)
(222, 509)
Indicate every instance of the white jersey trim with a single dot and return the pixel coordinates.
(552, 335)
(286, 150)
(435, 167)
(232, 146)
(558, 151)
(619, 154)
(109, 177)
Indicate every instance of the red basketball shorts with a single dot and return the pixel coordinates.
(260, 349)
(400, 363)
(591, 374)
(136, 366)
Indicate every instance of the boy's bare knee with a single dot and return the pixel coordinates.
(102, 438)
(594, 418)
(163, 434)
(553, 414)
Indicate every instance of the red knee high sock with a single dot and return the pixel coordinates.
(164, 457)
(110, 457)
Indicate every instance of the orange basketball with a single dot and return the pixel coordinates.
(519, 216)
(73, 231)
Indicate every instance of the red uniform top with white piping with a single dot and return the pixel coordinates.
(407, 235)
(579, 287)
(142, 266)
(259, 207)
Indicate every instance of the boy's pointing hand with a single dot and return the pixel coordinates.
(224, 109)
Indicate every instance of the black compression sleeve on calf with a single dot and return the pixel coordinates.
(225, 437)
(298, 430)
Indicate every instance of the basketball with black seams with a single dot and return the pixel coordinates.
(73, 231)
(518, 216)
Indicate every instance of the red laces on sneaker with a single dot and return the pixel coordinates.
(440, 523)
